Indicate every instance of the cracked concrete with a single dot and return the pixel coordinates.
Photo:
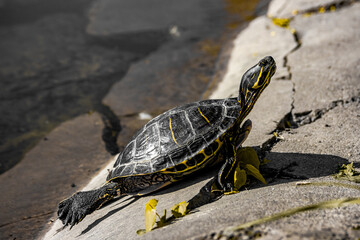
(303, 83)
(325, 75)
(340, 68)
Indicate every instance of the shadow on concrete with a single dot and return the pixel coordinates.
(282, 168)
(112, 212)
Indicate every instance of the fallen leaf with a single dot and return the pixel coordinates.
(150, 214)
(239, 178)
(247, 155)
(179, 210)
(251, 170)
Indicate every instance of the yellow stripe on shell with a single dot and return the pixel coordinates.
(172, 132)
(206, 119)
(191, 169)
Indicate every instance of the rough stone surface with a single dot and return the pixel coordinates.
(335, 134)
(249, 49)
(313, 151)
(276, 100)
(32, 189)
(333, 37)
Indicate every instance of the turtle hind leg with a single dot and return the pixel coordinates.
(72, 210)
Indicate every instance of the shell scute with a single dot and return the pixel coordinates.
(174, 139)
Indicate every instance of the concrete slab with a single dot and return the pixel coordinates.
(313, 151)
(30, 200)
(334, 37)
(334, 133)
(261, 38)
(276, 100)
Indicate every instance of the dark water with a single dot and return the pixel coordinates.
(52, 70)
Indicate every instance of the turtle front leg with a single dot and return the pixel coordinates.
(243, 133)
(223, 181)
(72, 210)
(219, 184)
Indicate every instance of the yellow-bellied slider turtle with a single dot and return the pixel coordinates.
(177, 143)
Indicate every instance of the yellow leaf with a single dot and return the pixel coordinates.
(239, 178)
(141, 232)
(179, 210)
(251, 170)
(282, 22)
(150, 214)
(348, 172)
(247, 155)
(321, 10)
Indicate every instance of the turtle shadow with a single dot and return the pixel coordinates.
(282, 168)
(289, 167)
(110, 213)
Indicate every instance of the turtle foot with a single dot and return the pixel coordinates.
(72, 210)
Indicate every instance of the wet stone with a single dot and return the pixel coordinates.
(35, 186)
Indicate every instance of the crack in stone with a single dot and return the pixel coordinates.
(296, 120)
(330, 7)
(311, 116)
(291, 120)
(27, 218)
(111, 130)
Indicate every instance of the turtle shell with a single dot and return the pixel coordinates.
(175, 136)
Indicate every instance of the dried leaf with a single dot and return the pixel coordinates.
(141, 232)
(247, 155)
(348, 172)
(239, 178)
(251, 170)
(150, 214)
(179, 210)
(282, 22)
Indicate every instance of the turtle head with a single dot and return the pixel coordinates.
(254, 81)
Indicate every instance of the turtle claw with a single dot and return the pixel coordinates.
(72, 210)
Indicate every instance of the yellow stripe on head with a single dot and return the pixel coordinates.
(258, 79)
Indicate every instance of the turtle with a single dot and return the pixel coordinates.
(177, 144)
